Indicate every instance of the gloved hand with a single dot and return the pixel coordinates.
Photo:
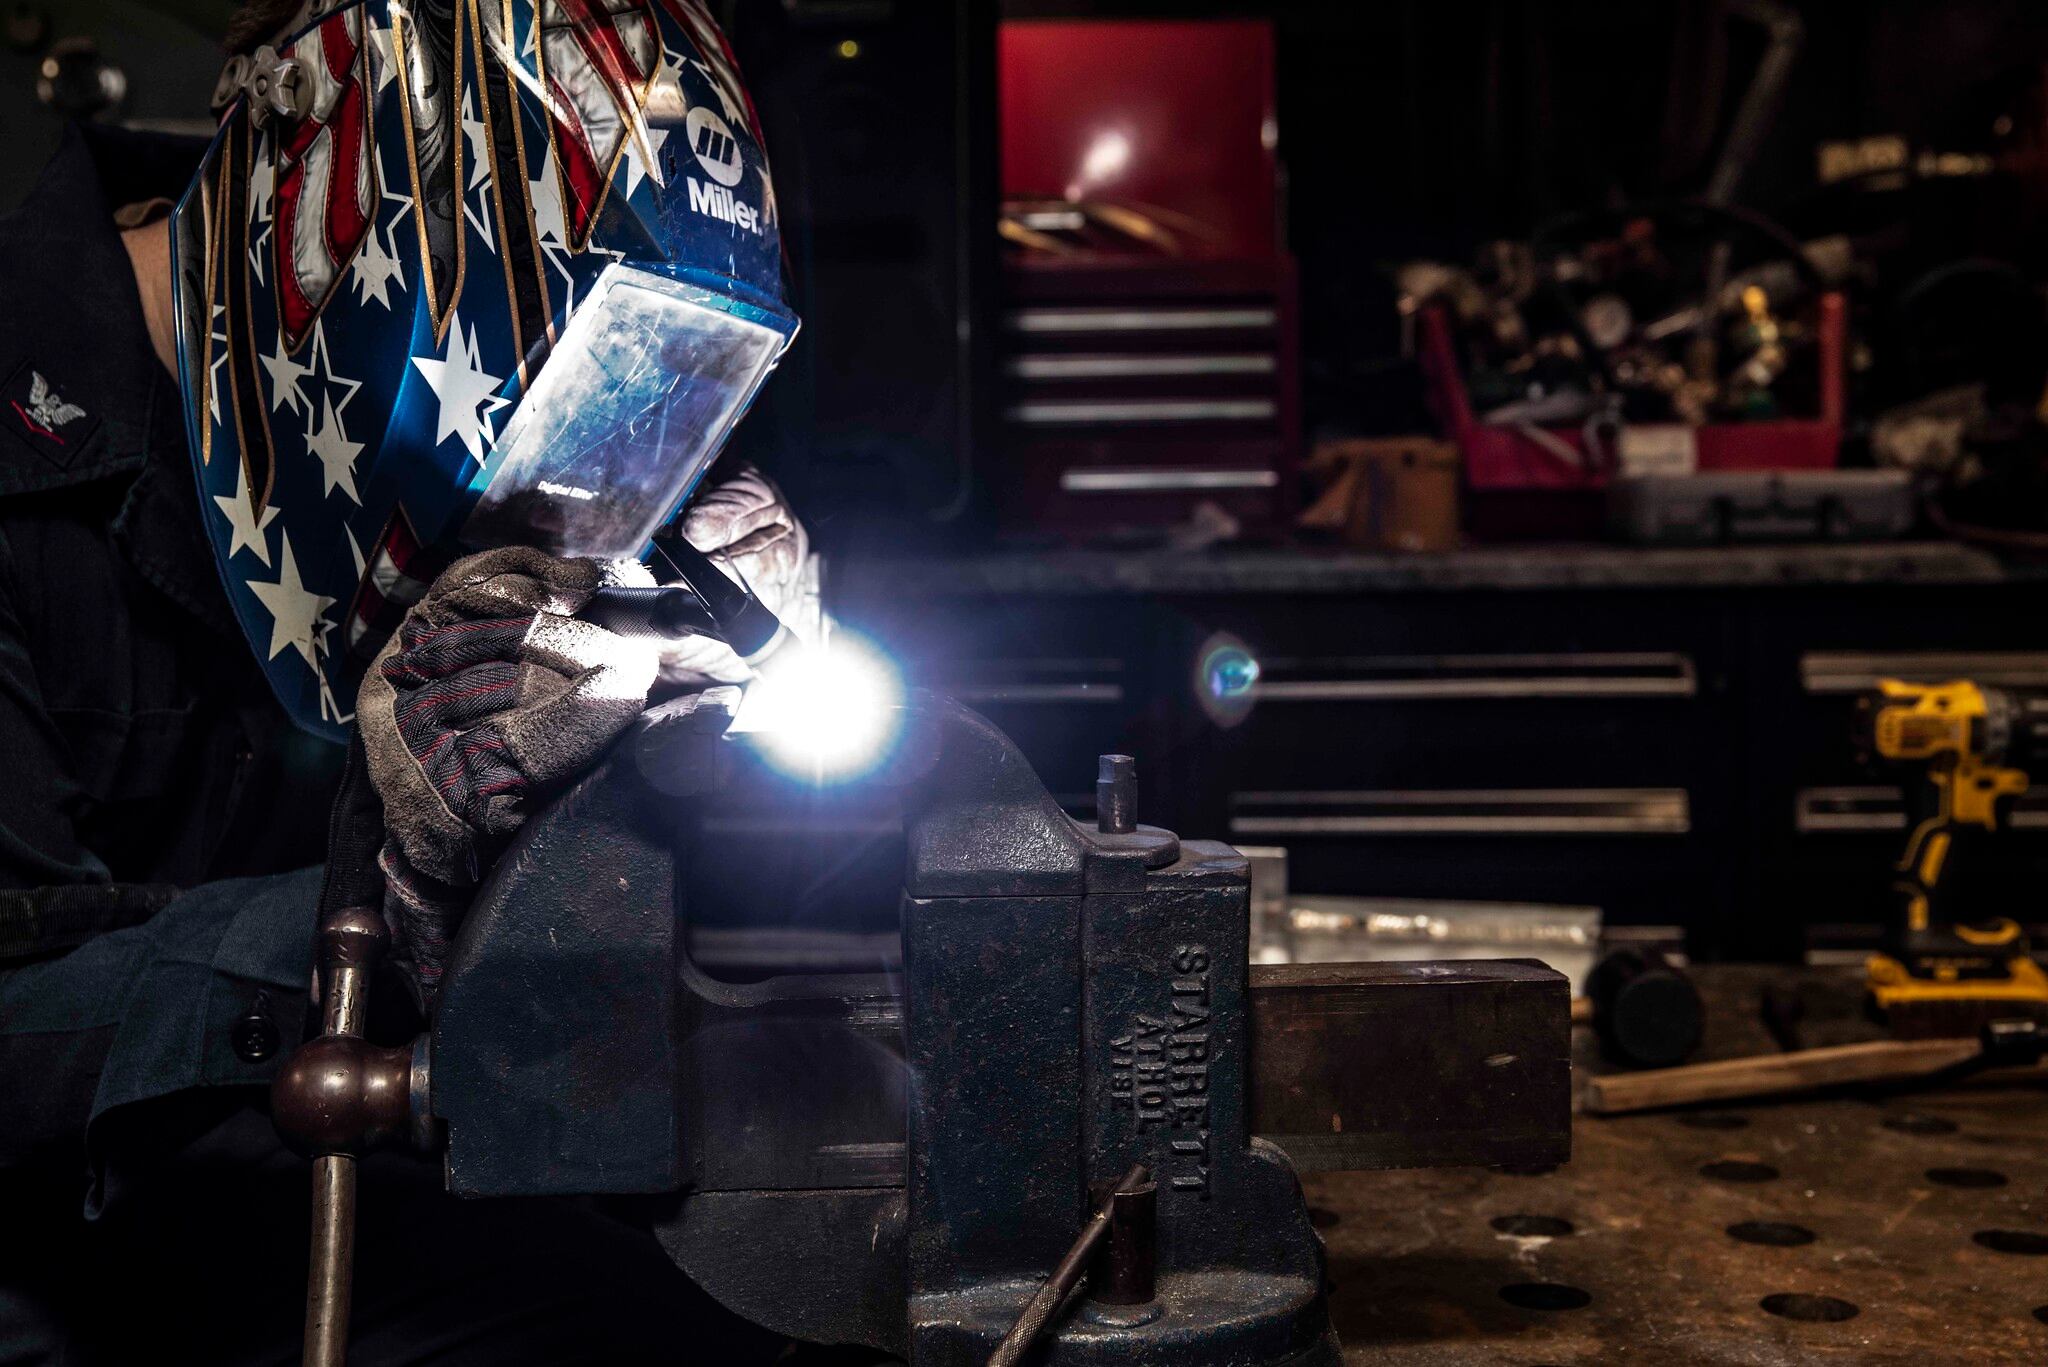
(747, 529)
(490, 694)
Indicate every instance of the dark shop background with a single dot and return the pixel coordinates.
(1609, 395)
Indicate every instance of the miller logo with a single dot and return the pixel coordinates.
(46, 412)
(718, 151)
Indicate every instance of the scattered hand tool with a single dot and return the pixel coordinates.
(1941, 972)
(1644, 1008)
(1926, 1062)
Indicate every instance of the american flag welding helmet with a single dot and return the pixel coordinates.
(456, 273)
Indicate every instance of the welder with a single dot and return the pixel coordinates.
(326, 441)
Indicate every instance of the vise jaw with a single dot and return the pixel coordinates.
(899, 1158)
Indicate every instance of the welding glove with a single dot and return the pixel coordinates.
(747, 529)
(491, 695)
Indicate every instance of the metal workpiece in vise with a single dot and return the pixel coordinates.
(1057, 1120)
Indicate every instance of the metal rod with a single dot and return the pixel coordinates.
(328, 1277)
(1040, 1309)
(351, 942)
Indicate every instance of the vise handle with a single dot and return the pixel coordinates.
(1038, 1312)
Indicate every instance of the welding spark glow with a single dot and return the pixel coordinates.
(823, 712)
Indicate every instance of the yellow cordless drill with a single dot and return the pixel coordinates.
(1940, 973)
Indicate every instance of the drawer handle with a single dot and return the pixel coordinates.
(1039, 693)
(1453, 677)
(1054, 412)
(1151, 481)
(1124, 367)
(1473, 811)
(1824, 672)
(1881, 807)
(1070, 320)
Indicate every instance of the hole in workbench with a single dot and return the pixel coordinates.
(1322, 1217)
(2013, 1241)
(1813, 1309)
(1975, 1179)
(1545, 1296)
(2041, 1313)
(1735, 1170)
(1713, 1120)
(1772, 1233)
(1532, 1226)
(1918, 1124)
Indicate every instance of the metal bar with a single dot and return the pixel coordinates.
(1058, 411)
(1666, 674)
(1457, 825)
(1523, 797)
(1532, 811)
(1038, 693)
(1845, 671)
(1053, 1292)
(351, 942)
(328, 1284)
(1881, 807)
(1392, 690)
(1113, 367)
(1863, 808)
(1138, 320)
(1397, 1065)
(1128, 481)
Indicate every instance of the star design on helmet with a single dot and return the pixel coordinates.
(329, 708)
(551, 225)
(379, 264)
(548, 219)
(219, 335)
(286, 375)
(331, 446)
(245, 525)
(735, 113)
(476, 207)
(468, 394)
(355, 551)
(637, 169)
(478, 139)
(296, 612)
(375, 271)
(379, 38)
(262, 188)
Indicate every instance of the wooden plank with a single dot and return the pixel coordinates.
(1407, 1065)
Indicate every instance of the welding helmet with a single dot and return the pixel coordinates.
(456, 274)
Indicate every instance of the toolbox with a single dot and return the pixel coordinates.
(1749, 505)
(1549, 479)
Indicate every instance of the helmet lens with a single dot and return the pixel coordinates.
(633, 403)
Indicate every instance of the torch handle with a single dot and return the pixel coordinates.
(704, 601)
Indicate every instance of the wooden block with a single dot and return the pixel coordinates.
(1412, 1065)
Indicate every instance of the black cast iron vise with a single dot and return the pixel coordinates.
(1035, 1080)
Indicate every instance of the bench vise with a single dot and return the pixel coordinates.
(894, 1137)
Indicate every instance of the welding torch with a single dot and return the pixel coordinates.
(702, 601)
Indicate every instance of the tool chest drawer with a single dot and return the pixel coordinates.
(1458, 715)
